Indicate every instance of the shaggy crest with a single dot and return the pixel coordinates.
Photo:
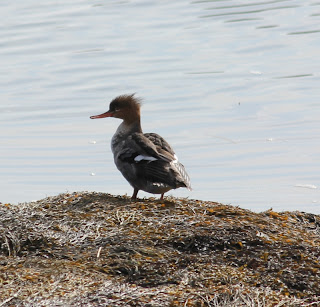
(125, 101)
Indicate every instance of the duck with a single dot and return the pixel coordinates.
(146, 160)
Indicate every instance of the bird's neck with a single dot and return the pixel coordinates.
(127, 128)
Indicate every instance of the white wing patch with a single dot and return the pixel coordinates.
(175, 159)
(145, 158)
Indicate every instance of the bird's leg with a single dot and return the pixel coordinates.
(135, 193)
(161, 198)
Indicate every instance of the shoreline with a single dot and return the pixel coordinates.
(93, 249)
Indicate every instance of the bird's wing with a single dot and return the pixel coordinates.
(150, 145)
(164, 149)
(162, 146)
(147, 166)
(138, 148)
(152, 157)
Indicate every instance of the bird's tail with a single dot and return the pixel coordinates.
(185, 179)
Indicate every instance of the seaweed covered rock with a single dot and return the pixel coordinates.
(96, 249)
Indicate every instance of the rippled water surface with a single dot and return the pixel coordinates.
(232, 85)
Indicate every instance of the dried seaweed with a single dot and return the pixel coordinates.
(96, 249)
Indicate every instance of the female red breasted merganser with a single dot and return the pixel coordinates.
(146, 160)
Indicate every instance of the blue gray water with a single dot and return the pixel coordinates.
(232, 85)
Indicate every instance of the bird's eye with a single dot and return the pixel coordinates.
(116, 110)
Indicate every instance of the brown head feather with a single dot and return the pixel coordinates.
(126, 107)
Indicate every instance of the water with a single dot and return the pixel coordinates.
(232, 85)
